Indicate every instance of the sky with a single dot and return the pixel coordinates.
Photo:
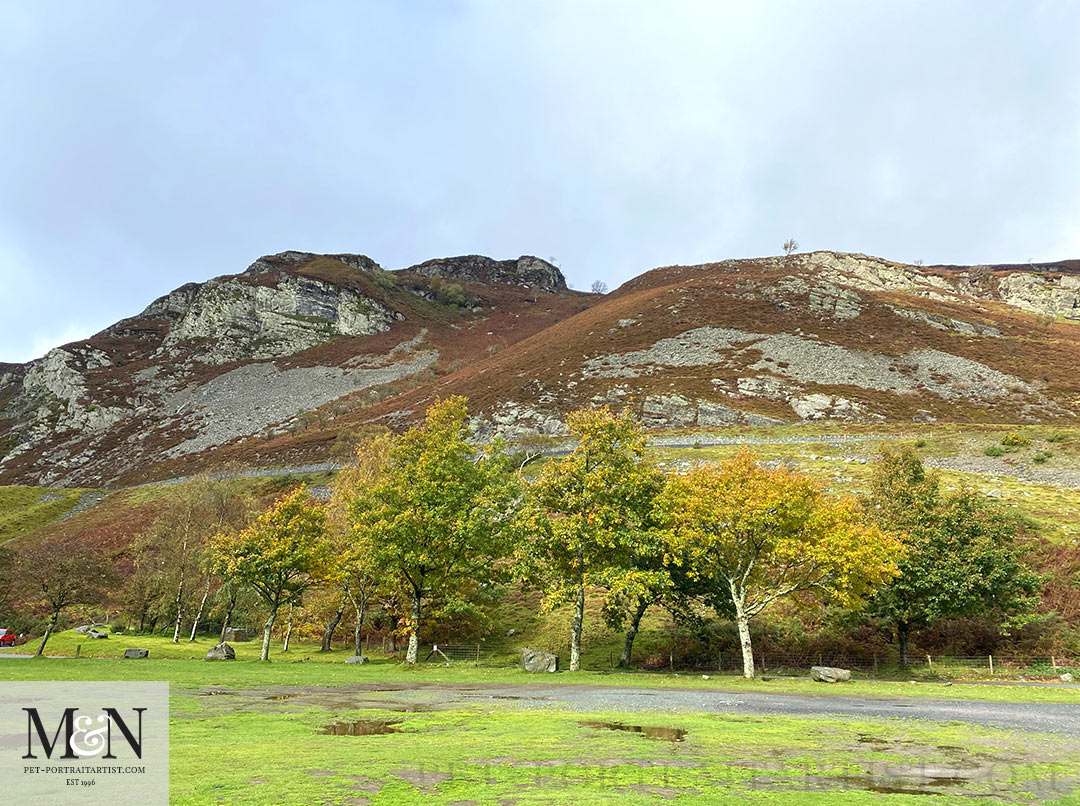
(148, 144)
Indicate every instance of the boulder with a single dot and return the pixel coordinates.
(221, 652)
(236, 634)
(357, 659)
(830, 674)
(92, 633)
(535, 660)
(87, 628)
(1067, 678)
(136, 653)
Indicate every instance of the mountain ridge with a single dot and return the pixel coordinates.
(275, 364)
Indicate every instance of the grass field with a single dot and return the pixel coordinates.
(236, 738)
(183, 665)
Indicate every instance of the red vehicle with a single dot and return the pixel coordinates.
(7, 637)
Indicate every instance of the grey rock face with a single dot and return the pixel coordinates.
(1067, 678)
(136, 653)
(526, 271)
(829, 674)
(221, 652)
(535, 660)
(92, 633)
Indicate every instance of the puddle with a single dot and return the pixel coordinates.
(361, 727)
(648, 731)
(282, 696)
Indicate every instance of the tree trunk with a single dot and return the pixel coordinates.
(179, 610)
(288, 634)
(328, 633)
(48, 631)
(234, 594)
(903, 637)
(576, 626)
(414, 629)
(265, 654)
(631, 633)
(202, 608)
(360, 608)
(742, 620)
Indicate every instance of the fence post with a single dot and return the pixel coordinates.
(1053, 662)
(720, 662)
(991, 665)
(671, 660)
(478, 654)
(875, 666)
(78, 650)
(930, 663)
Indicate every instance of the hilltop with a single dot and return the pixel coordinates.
(281, 363)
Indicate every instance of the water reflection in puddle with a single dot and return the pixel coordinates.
(361, 727)
(648, 731)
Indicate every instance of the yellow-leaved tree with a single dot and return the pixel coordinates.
(747, 536)
(279, 556)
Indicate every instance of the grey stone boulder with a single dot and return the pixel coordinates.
(829, 674)
(88, 628)
(221, 652)
(535, 660)
(1067, 678)
(96, 634)
(136, 653)
(357, 659)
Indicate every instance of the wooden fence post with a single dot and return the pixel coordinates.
(991, 665)
(930, 663)
(875, 666)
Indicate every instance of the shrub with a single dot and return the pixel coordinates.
(1041, 457)
(1058, 437)
(994, 450)
(1014, 439)
(117, 627)
(920, 443)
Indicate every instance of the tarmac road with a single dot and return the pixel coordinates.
(1061, 718)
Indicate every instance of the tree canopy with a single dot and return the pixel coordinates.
(750, 536)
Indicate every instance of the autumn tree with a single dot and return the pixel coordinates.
(435, 518)
(587, 512)
(282, 554)
(750, 536)
(58, 574)
(964, 557)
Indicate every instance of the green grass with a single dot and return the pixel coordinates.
(183, 665)
(23, 511)
(249, 750)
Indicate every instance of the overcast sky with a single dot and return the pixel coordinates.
(148, 144)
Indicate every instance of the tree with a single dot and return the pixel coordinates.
(750, 536)
(436, 518)
(587, 512)
(282, 554)
(964, 554)
(58, 574)
(598, 287)
(790, 245)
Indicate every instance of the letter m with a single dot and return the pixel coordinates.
(67, 724)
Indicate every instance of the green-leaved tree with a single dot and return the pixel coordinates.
(279, 556)
(436, 518)
(588, 512)
(964, 557)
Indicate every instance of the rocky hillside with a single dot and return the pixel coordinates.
(251, 355)
(275, 365)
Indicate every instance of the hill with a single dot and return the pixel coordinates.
(286, 362)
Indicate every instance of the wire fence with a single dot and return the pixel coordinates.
(870, 665)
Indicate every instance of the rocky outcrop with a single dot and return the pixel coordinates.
(1040, 293)
(230, 319)
(536, 660)
(527, 271)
